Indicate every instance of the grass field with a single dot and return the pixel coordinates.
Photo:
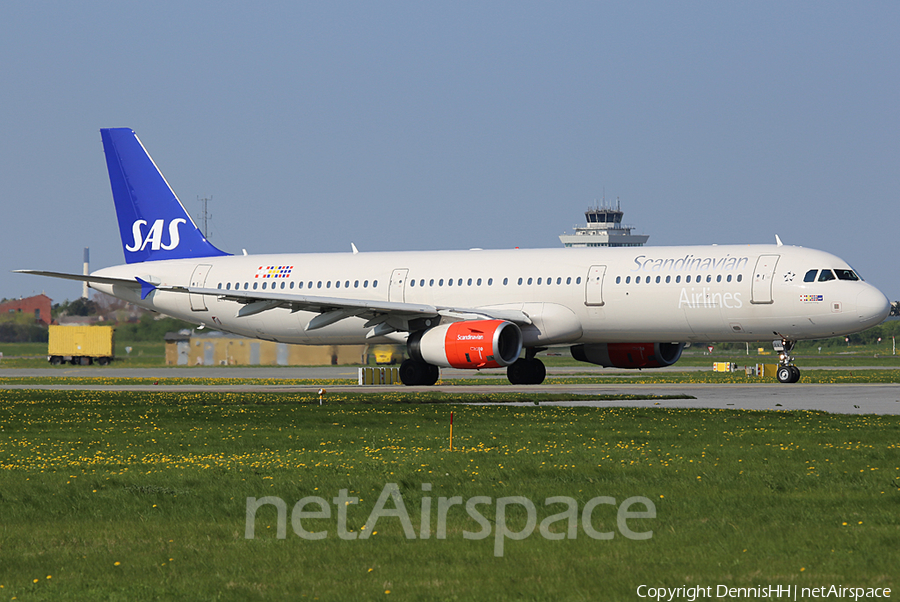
(130, 496)
(152, 355)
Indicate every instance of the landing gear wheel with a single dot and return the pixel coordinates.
(415, 373)
(537, 372)
(526, 371)
(784, 374)
(787, 371)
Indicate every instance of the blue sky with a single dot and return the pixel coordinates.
(421, 125)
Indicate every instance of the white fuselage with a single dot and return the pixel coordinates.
(573, 296)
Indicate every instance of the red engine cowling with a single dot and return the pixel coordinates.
(471, 344)
(629, 355)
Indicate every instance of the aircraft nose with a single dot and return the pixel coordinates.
(872, 307)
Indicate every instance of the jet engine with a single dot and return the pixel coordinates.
(629, 355)
(468, 344)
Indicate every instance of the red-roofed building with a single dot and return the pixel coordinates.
(39, 306)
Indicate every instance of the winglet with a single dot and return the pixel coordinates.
(146, 287)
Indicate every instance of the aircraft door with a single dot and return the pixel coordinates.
(763, 274)
(593, 287)
(198, 280)
(396, 291)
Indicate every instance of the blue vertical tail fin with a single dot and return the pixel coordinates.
(152, 221)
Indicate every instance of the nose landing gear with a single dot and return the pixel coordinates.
(787, 371)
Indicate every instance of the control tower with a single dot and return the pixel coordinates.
(604, 229)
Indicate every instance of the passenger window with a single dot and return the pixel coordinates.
(292, 285)
(347, 284)
(459, 282)
(478, 282)
(520, 281)
(431, 282)
(450, 282)
(826, 275)
(355, 284)
(412, 283)
(490, 281)
(668, 279)
(529, 281)
(578, 280)
(337, 284)
(374, 284)
(282, 284)
(627, 279)
(441, 282)
(678, 279)
(719, 278)
(810, 276)
(505, 281)
(569, 280)
(740, 277)
(618, 280)
(637, 280)
(365, 284)
(657, 279)
(728, 279)
(227, 286)
(687, 279)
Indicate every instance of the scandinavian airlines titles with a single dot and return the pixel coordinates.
(689, 262)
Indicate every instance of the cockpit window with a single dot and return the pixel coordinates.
(810, 276)
(826, 275)
(847, 275)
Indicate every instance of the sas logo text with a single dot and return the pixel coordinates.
(154, 235)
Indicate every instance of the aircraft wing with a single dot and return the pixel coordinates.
(385, 316)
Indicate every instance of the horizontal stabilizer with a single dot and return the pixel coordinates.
(83, 278)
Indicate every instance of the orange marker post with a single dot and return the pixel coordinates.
(451, 431)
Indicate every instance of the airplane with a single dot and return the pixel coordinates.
(627, 307)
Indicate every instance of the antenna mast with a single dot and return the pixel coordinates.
(204, 214)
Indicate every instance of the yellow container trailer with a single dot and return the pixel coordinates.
(81, 345)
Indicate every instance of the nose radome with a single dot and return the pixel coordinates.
(872, 307)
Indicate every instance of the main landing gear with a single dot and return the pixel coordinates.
(787, 371)
(527, 370)
(417, 373)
